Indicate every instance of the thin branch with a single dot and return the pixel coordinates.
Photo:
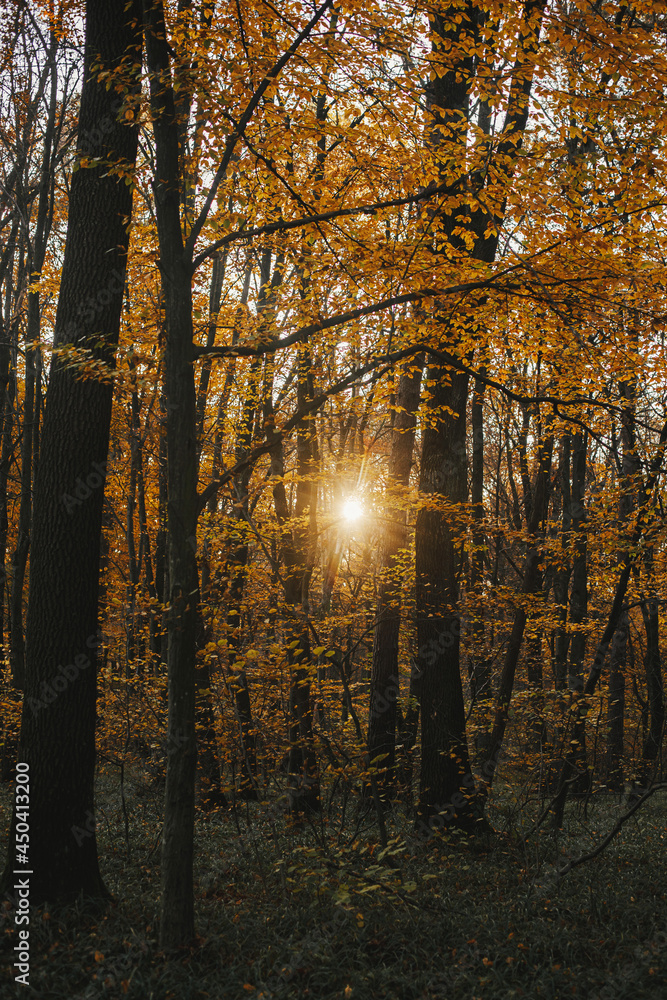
(583, 858)
(251, 107)
(284, 225)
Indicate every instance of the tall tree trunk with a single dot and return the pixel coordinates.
(579, 595)
(30, 400)
(653, 667)
(627, 505)
(564, 571)
(134, 563)
(237, 570)
(616, 704)
(302, 766)
(446, 782)
(385, 680)
(578, 601)
(532, 581)
(8, 376)
(58, 722)
(177, 908)
(445, 767)
(443, 477)
(295, 537)
(479, 670)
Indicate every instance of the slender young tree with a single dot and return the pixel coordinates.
(385, 681)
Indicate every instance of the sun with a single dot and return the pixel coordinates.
(352, 510)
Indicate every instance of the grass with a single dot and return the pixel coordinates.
(316, 911)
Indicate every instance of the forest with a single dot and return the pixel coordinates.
(333, 550)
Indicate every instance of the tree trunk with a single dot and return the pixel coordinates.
(579, 595)
(564, 571)
(30, 401)
(479, 670)
(445, 768)
(58, 722)
(302, 767)
(177, 909)
(446, 785)
(653, 667)
(616, 704)
(385, 680)
(8, 377)
(532, 581)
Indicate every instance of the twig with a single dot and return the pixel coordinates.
(583, 858)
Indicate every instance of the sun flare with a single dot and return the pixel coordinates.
(352, 510)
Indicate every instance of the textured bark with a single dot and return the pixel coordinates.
(532, 582)
(177, 908)
(302, 766)
(443, 484)
(8, 378)
(616, 704)
(237, 570)
(479, 671)
(445, 765)
(297, 534)
(564, 571)
(653, 667)
(446, 784)
(385, 680)
(30, 401)
(579, 595)
(58, 723)
(629, 481)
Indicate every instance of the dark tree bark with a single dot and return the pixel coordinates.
(58, 723)
(30, 400)
(302, 767)
(653, 667)
(630, 474)
(385, 681)
(564, 571)
(446, 784)
(8, 343)
(445, 763)
(479, 671)
(532, 580)
(297, 533)
(642, 518)
(177, 910)
(443, 477)
(237, 570)
(579, 595)
(616, 703)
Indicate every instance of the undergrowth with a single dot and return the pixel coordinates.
(321, 910)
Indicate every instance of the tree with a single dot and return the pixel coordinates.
(58, 721)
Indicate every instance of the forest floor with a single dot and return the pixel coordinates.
(316, 911)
